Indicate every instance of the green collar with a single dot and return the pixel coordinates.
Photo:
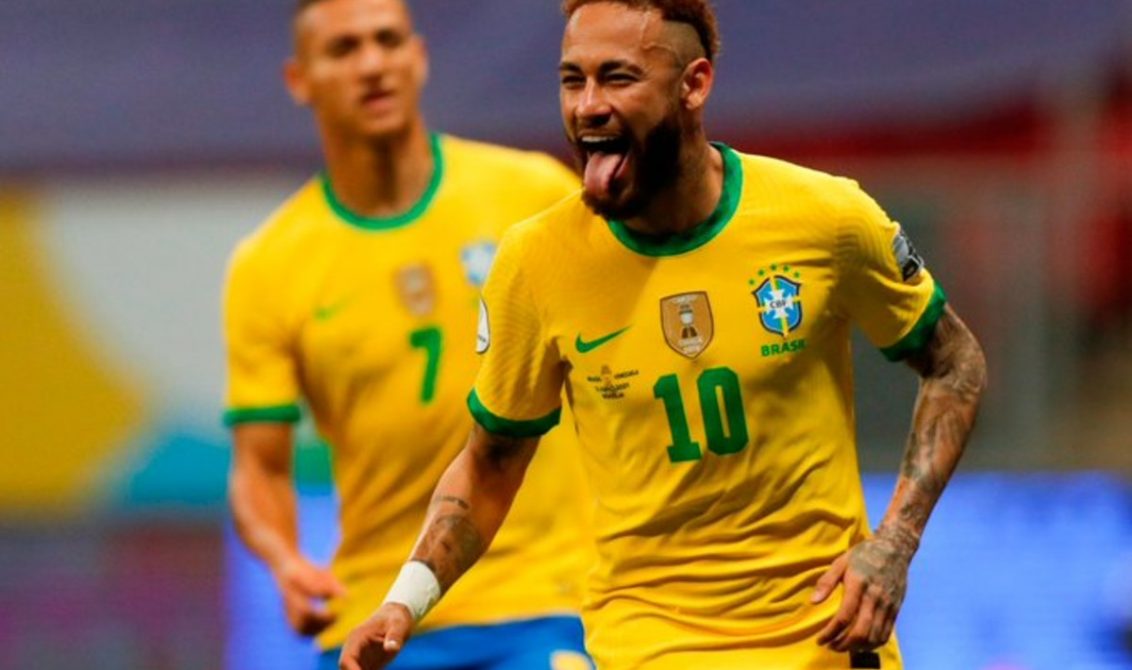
(702, 233)
(390, 222)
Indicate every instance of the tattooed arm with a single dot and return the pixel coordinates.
(469, 505)
(953, 375)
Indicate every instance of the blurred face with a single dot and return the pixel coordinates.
(622, 96)
(359, 66)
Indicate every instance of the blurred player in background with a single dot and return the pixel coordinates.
(359, 296)
(697, 302)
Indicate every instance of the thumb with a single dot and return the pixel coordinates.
(830, 579)
(396, 632)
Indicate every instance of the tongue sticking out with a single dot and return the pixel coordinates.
(601, 169)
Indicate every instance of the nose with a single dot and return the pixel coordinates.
(592, 106)
(371, 59)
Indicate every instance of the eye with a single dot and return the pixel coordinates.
(391, 39)
(620, 79)
(341, 47)
(572, 81)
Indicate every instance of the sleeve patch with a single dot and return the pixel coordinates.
(483, 331)
(907, 259)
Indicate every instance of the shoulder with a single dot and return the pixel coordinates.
(484, 161)
(553, 238)
(281, 233)
(555, 228)
(496, 156)
(533, 254)
(803, 186)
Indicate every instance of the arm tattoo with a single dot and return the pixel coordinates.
(459, 502)
(500, 451)
(466, 512)
(953, 375)
(451, 544)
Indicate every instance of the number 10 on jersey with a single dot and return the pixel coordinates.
(720, 397)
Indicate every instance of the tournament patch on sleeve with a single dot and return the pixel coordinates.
(907, 259)
(483, 330)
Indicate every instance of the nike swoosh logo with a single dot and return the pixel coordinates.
(328, 312)
(584, 347)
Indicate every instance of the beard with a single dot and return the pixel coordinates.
(656, 167)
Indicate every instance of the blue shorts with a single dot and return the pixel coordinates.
(551, 643)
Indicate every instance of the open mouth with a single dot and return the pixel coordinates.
(606, 159)
(376, 97)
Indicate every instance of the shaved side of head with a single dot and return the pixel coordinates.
(694, 19)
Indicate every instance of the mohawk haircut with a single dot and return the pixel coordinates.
(696, 13)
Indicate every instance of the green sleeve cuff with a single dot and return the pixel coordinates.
(277, 414)
(918, 337)
(508, 428)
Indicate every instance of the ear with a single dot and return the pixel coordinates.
(294, 76)
(696, 83)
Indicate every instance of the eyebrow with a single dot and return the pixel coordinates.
(605, 68)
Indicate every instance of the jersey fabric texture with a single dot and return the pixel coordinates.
(372, 323)
(549, 643)
(711, 384)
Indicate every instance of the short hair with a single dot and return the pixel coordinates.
(696, 13)
(301, 5)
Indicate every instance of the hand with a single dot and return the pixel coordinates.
(875, 577)
(375, 643)
(305, 587)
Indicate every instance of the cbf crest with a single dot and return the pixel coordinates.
(477, 258)
(687, 323)
(417, 289)
(780, 301)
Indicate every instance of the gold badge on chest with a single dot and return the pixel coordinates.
(687, 322)
(417, 288)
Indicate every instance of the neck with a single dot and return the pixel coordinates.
(691, 199)
(380, 178)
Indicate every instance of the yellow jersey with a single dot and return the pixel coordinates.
(372, 323)
(710, 379)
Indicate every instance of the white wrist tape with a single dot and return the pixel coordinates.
(416, 587)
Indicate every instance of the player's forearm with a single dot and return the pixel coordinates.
(261, 493)
(470, 503)
(264, 511)
(953, 377)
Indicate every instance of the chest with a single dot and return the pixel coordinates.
(723, 332)
(370, 307)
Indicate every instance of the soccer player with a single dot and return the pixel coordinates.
(359, 296)
(697, 304)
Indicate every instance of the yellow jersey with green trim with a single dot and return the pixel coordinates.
(372, 323)
(710, 379)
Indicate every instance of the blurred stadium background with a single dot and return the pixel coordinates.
(140, 138)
